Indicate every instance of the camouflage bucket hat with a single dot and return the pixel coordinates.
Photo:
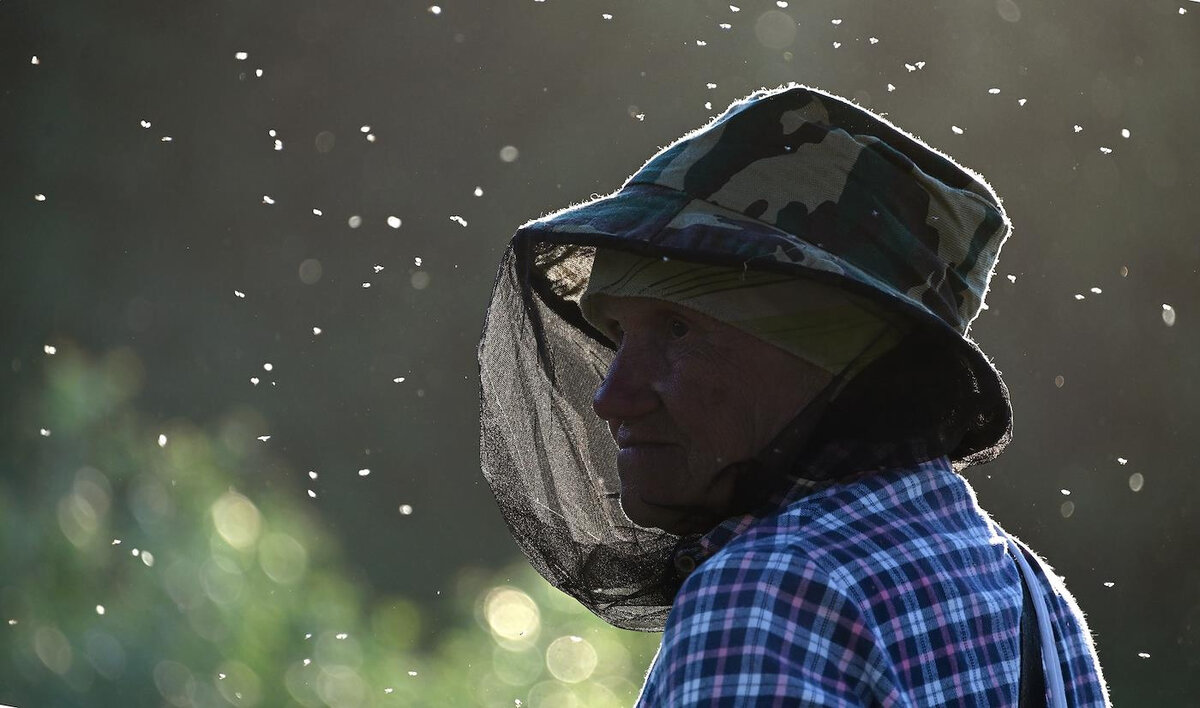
(800, 181)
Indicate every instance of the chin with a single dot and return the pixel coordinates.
(674, 521)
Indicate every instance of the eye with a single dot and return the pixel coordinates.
(678, 328)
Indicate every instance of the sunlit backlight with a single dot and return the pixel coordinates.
(236, 519)
(571, 659)
(511, 614)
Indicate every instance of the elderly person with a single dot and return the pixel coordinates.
(731, 400)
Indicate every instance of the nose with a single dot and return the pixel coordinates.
(627, 391)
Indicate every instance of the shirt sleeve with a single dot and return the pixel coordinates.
(768, 629)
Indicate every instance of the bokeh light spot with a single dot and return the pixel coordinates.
(1008, 10)
(282, 558)
(236, 519)
(310, 271)
(775, 29)
(511, 614)
(571, 659)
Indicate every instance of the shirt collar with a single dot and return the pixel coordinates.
(837, 462)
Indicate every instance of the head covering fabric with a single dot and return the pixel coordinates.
(821, 324)
(790, 182)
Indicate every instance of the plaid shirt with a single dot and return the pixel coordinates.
(891, 588)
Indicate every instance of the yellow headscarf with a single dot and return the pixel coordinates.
(821, 324)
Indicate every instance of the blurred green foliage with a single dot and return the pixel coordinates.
(152, 564)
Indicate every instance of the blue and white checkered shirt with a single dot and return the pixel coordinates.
(891, 588)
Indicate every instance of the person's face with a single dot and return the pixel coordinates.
(685, 397)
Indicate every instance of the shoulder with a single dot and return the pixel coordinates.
(763, 619)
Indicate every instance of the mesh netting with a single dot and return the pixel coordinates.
(549, 459)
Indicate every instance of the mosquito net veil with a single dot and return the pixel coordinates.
(549, 459)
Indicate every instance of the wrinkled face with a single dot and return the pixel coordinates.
(686, 397)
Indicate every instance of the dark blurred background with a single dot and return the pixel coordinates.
(285, 219)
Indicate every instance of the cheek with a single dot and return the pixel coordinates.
(716, 398)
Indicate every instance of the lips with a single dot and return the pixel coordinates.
(626, 439)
